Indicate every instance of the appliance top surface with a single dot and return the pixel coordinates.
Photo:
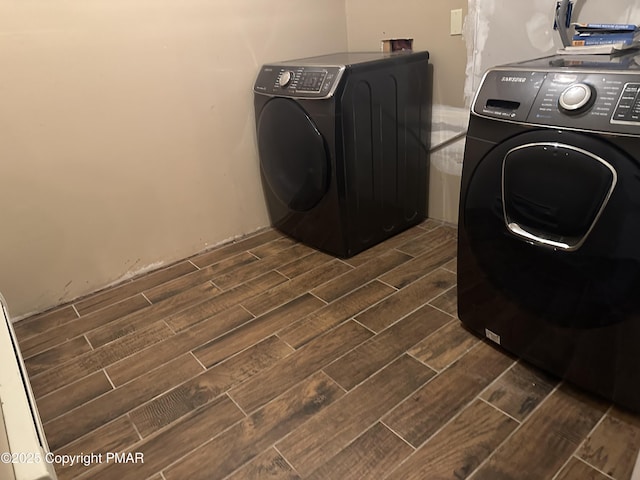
(605, 63)
(595, 93)
(344, 59)
(319, 77)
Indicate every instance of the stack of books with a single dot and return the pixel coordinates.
(602, 38)
(621, 34)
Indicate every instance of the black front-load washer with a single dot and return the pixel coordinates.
(549, 224)
(343, 146)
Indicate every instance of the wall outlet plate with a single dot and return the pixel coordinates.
(456, 22)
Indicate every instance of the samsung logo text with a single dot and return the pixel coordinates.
(514, 79)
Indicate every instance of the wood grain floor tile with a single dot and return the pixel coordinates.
(451, 265)
(223, 252)
(372, 455)
(357, 277)
(224, 301)
(94, 360)
(205, 387)
(578, 470)
(381, 349)
(132, 287)
(247, 439)
(612, 447)
(153, 313)
(57, 355)
(406, 300)
(439, 235)
(272, 248)
(327, 433)
(269, 465)
(418, 266)
(445, 346)
(305, 264)
(179, 439)
(72, 396)
(39, 343)
(203, 275)
(45, 321)
(389, 244)
(103, 409)
(305, 361)
(520, 390)
(561, 423)
(112, 437)
(291, 289)
(335, 313)
(448, 301)
(416, 401)
(127, 345)
(433, 405)
(430, 224)
(454, 454)
(251, 271)
(146, 360)
(256, 330)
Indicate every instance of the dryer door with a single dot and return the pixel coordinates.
(552, 220)
(293, 155)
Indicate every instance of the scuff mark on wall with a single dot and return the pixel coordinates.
(135, 272)
(132, 273)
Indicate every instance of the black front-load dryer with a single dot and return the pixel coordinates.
(343, 146)
(549, 225)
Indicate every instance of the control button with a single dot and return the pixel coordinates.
(576, 97)
(285, 78)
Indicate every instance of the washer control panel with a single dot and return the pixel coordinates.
(576, 98)
(628, 107)
(606, 101)
(298, 81)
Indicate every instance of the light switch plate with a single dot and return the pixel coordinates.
(456, 22)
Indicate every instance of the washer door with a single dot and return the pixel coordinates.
(552, 220)
(293, 155)
(553, 193)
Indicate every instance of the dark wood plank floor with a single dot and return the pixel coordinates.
(265, 359)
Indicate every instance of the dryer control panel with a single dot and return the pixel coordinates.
(298, 81)
(584, 99)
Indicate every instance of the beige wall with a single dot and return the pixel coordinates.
(427, 22)
(127, 135)
(127, 129)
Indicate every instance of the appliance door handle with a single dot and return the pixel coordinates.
(534, 238)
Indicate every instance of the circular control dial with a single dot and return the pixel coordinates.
(576, 98)
(285, 78)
